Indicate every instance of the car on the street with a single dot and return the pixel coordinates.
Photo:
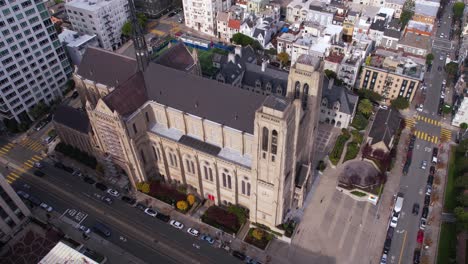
(171, 14)
(176, 224)
(34, 200)
(430, 179)
(181, 20)
(428, 189)
(46, 207)
(384, 107)
(113, 192)
(238, 255)
(383, 259)
(425, 212)
(444, 82)
(420, 236)
(150, 212)
(422, 224)
(427, 200)
(415, 208)
(22, 194)
(207, 238)
(101, 186)
(432, 170)
(86, 230)
(38, 165)
(89, 180)
(39, 173)
(77, 173)
(49, 139)
(107, 200)
(424, 164)
(435, 152)
(419, 108)
(40, 125)
(128, 200)
(394, 221)
(387, 245)
(193, 231)
(416, 256)
(141, 206)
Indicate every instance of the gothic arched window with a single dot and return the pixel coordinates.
(297, 90)
(265, 139)
(274, 142)
(305, 96)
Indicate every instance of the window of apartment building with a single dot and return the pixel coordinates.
(265, 133)
(245, 186)
(3, 214)
(207, 171)
(226, 177)
(172, 159)
(147, 117)
(190, 165)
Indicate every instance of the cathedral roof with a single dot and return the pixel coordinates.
(177, 57)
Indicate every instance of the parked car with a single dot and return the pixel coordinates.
(89, 180)
(84, 229)
(23, 195)
(394, 221)
(141, 206)
(387, 245)
(113, 192)
(415, 208)
(427, 200)
(77, 173)
(39, 173)
(384, 107)
(422, 224)
(419, 108)
(416, 256)
(46, 207)
(40, 125)
(129, 200)
(238, 255)
(34, 200)
(432, 170)
(430, 179)
(75, 95)
(383, 260)
(176, 224)
(424, 164)
(150, 212)
(193, 231)
(425, 212)
(107, 200)
(38, 165)
(207, 238)
(428, 189)
(420, 236)
(101, 186)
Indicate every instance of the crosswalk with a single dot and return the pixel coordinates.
(4, 149)
(445, 134)
(410, 122)
(426, 137)
(16, 173)
(31, 144)
(428, 120)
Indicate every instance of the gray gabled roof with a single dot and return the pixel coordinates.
(203, 97)
(72, 118)
(385, 125)
(392, 33)
(258, 31)
(277, 78)
(106, 67)
(334, 93)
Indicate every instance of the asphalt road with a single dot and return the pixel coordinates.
(148, 238)
(414, 183)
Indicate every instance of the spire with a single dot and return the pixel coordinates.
(141, 50)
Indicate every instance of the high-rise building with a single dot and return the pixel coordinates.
(13, 212)
(33, 63)
(153, 8)
(104, 18)
(201, 14)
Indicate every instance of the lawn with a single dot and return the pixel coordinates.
(351, 151)
(359, 122)
(358, 193)
(337, 150)
(447, 244)
(450, 194)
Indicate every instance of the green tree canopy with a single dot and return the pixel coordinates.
(451, 68)
(400, 103)
(127, 28)
(365, 107)
(405, 16)
(39, 110)
(458, 9)
(429, 58)
(464, 126)
(369, 94)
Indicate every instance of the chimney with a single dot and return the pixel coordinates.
(238, 51)
(264, 65)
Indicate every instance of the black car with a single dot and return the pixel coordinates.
(390, 232)
(430, 180)
(163, 217)
(39, 173)
(416, 256)
(128, 200)
(89, 180)
(388, 243)
(172, 14)
(101, 186)
(425, 212)
(427, 200)
(432, 170)
(141, 206)
(238, 255)
(59, 165)
(415, 208)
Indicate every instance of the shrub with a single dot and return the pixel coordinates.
(240, 212)
(335, 154)
(222, 219)
(359, 122)
(258, 233)
(191, 199)
(351, 151)
(166, 193)
(139, 186)
(358, 193)
(321, 165)
(357, 137)
(145, 188)
(400, 103)
(76, 154)
(182, 205)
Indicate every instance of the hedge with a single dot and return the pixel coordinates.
(221, 219)
(359, 122)
(337, 151)
(351, 151)
(76, 154)
(358, 193)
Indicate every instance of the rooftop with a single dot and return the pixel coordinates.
(426, 8)
(91, 5)
(73, 38)
(341, 94)
(416, 40)
(378, 25)
(386, 124)
(399, 65)
(420, 26)
(62, 253)
(72, 118)
(335, 57)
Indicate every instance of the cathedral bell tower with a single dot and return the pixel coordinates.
(141, 50)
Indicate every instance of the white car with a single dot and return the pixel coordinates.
(38, 165)
(46, 207)
(383, 260)
(422, 226)
(384, 107)
(394, 221)
(193, 231)
(444, 82)
(23, 194)
(420, 108)
(150, 212)
(113, 192)
(85, 229)
(441, 58)
(176, 224)
(424, 164)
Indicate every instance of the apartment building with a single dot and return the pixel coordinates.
(392, 77)
(153, 8)
(34, 66)
(255, 154)
(103, 18)
(13, 212)
(201, 14)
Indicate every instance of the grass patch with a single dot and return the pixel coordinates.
(447, 244)
(337, 150)
(358, 193)
(450, 194)
(351, 151)
(359, 122)
(357, 136)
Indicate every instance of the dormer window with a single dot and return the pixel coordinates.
(268, 87)
(279, 90)
(258, 84)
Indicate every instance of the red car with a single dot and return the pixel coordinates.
(420, 237)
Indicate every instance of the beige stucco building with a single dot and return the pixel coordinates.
(226, 144)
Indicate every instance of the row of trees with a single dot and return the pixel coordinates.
(127, 29)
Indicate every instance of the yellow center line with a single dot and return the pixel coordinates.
(402, 247)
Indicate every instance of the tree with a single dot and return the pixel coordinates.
(58, 28)
(452, 69)
(283, 57)
(258, 234)
(182, 205)
(458, 9)
(369, 94)
(365, 107)
(145, 188)
(429, 58)
(405, 16)
(332, 75)
(400, 103)
(191, 199)
(39, 110)
(127, 29)
(446, 109)
(241, 39)
(464, 127)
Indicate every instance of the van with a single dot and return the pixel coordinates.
(398, 204)
(101, 229)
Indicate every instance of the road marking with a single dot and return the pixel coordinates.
(36, 158)
(402, 247)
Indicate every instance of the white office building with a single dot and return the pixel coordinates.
(103, 18)
(75, 44)
(33, 63)
(201, 14)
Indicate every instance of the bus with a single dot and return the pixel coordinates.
(101, 229)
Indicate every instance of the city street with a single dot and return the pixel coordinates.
(147, 238)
